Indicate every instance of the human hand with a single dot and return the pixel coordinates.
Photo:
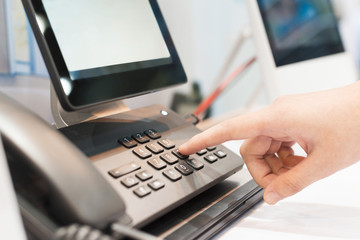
(325, 124)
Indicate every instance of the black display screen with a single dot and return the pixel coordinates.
(300, 30)
(104, 50)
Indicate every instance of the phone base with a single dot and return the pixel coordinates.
(64, 118)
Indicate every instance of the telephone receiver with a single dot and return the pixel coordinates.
(79, 194)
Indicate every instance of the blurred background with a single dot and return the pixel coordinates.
(205, 33)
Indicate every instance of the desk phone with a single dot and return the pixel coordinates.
(123, 168)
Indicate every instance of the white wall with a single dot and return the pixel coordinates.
(218, 26)
(204, 31)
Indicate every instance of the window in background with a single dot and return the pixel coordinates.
(20, 36)
(23, 55)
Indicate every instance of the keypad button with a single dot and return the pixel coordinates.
(211, 148)
(141, 152)
(151, 133)
(211, 158)
(194, 163)
(157, 163)
(140, 138)
(127, 142)
(172, 174)
(129, 182)
(123, 170)
(156, 185)
(202, 152)
(184, 169)
(144, 175)
(166, 143)
(142, 191)
(169, 158)
(179, 155)
(155, 148)
(220, 153)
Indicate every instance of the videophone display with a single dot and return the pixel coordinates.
(104, 50)
(300, 30)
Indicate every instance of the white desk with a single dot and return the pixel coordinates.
(328, 209)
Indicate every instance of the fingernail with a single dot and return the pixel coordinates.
(180, 148)
(272, 198)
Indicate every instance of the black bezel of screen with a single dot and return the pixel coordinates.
(87, 92)
(300, 53)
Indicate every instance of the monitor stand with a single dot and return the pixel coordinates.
(64, 118)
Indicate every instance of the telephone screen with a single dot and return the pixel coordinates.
(300, 30)
(105, 50)
(134, 40)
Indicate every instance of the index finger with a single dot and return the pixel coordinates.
(246, 126)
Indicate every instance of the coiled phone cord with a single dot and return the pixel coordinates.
(84, 232)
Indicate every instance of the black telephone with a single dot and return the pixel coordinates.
(81, 174)
(77, 194)
(123, 168)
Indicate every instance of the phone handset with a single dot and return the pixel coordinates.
(79, 193)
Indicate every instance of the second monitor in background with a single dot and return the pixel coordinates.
(299, 46)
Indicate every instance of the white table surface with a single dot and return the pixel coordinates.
(328, 209)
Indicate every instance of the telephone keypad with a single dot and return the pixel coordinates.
(129, 182)
(172, 175)
(142, 152)
(202, 152)
(124, 170)
(156, 163)
(151, 133)
(169, 158)
(211, 158)
(142, 191)
(184, 165)
(154, 148)
(211, 148)
(196, 164)
(140, 138)
(156, 184)
(220, 154)
(127, 142)
(179, 155)
(166, 143)
(144, 175)
(184, 169)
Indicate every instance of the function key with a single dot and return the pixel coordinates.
(172, 175)
(202, 152)
(211, 158)
(140, 138)
(141, 152)
(166, 143)
(211, 148)
(179, 154)
(142, 191)
(157, 163)
(127, 142)
(220, 153)
(151, 133)
(156, 185)
(144, 175)
(123, 170)
(169, 158)
(194, 163)
(184, 169)
(129, 182)
(155, 148)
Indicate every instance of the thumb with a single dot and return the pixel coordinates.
(294, 180)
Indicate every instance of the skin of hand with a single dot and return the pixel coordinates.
(325, 124)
